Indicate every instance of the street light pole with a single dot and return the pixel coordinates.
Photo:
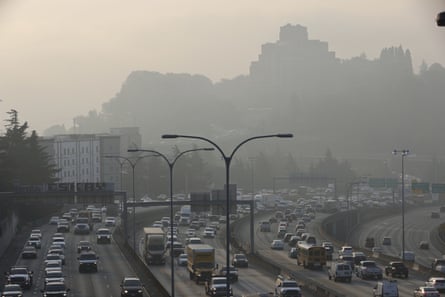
(171, 164)
(403, 153)
(227, 161)
(133, 164)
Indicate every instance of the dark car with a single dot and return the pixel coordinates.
(88, 261)
(240, 260)
(83, 246)
(293, 253)
(131, 286)
(20, 275)
(55, 289)
(233, 273)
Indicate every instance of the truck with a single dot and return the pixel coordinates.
(154, 245)
(200, 262)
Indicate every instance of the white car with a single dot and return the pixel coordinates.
(110, 221)
(182, 260)
(277, 244)
(345, 250)
(437, 282)
(209, 232)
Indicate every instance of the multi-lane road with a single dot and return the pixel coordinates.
(113, 265)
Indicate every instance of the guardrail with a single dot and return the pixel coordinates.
(152, 285)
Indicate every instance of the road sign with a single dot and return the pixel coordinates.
(377, 182)
(383, 182)
(438, 188)
(201, 201)
(420, 188)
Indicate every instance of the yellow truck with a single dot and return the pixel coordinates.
(200, 262)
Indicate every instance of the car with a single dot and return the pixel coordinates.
(88, 261)
(53, 276)
(131, 287)
(36, 232)
(63, 227)
(265, 226)
(12, 290)
(407, 256)
(386, 288)
(345, 250)
(20, 275)
(426, 292)
(81, 228)
(233, 273)
(368, 269)
(83, 245)
(369, 242)
(435, 215)
(110, 221)
(358, 257)
(294, 240)
(54, 257)
(240, 260)
(209, 232)
(386, 240)
(178, 248)
(217, 286)
(34, 241)
(54, 220)
(29, 252)
(436, 282)
(377, 249)
(60, 241)
(423, 245)
(277, 244)
(340, 271)
(55, 289)
(438, 265)
(59, 251)
(283, 285)
(103, 235)
(182, 260)
(51, 265)
(396, 268)
(293, 253)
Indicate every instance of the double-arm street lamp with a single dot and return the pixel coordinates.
(227, 160)
(133, 163)
(171, 164)
(403, 153)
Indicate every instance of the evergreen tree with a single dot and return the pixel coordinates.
(23, 161)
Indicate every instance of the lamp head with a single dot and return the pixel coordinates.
(285, 135)
(208, 149)
(132, 150)
(440, 19)
(169, 136)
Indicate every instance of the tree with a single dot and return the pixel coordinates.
(23, 161)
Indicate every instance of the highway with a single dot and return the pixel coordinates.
(418, 226)
(358, 287)
(113, 265)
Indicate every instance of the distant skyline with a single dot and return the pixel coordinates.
(60, 59)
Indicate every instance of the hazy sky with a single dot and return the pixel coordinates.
(62, 58)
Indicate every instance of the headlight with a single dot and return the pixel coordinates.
(126, 291)
(139, 291)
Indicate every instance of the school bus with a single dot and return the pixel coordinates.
(311, 256)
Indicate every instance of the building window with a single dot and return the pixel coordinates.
(87, 150)
(82, 150)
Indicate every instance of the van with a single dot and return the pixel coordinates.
(340, 271)
(264, 226)
(386, 288)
